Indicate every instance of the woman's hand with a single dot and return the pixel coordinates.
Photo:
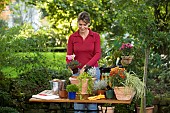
(82, 69)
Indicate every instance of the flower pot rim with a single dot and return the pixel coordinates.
(75, 78)
(147, 107)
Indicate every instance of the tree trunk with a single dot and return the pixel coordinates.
(143, 99)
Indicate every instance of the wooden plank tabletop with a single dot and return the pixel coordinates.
(111, 101)
(82, 101)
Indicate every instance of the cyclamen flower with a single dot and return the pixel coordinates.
(126, 48)
(70, 57)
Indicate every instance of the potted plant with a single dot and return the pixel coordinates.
(106, 108)
(126, 50)
(90, 70)
(85, 79)
(109, 92)
(100, 86)
(72, 64)
(149, 102)
(72, 89)
(126, 83)
(86, 82)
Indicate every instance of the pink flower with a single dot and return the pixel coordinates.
(126, 48)
(70, 57)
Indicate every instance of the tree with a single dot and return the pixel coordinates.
(147, 20)
(3, 4)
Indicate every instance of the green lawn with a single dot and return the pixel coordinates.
(53, 60)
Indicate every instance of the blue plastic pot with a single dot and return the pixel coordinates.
(71, 95)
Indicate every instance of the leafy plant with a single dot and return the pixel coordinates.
(91, 71)
(82, 78)
(5, 98)
(149, 99)
(38, 81)
(134, 82)
(117, 76)
(8, 110)
(120, 77)
(72, 88)
(73, 64)
(100, 85)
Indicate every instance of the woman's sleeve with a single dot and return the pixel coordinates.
(69, 47)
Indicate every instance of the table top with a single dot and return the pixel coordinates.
(60, 100)
(82, 101)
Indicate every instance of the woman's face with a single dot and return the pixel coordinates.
(83, 27)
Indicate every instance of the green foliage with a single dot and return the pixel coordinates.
(159, 81)
(149, 99)
(72, 88)
(5, 98)
(117, 21)
(22, 49)
(73, 64)
(8, 110)
(3, 27)
(3, 4)
(38, 81)
(133, 81)
(123, 108)
(164, 79)
(82, 78)
(5, 82)
(100, 85)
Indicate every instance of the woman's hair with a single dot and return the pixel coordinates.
(84, 16)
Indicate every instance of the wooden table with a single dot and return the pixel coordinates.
(103, 101)
(82, 101)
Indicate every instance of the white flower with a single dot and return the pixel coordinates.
(92, 71)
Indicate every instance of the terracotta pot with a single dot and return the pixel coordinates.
(84, 84)
(109, 109)
(82, 96)
(148, 109)
(63, 94)
(124, 93)
(126, 60)
(74, 80)
(101, 92)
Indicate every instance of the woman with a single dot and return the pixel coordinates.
(85, 45)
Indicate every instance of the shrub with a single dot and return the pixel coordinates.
(8, 110)
(5, 98)
(33, 81)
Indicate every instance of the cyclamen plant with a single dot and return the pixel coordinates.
(72, 64)
(126, 49)
(70, 57)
